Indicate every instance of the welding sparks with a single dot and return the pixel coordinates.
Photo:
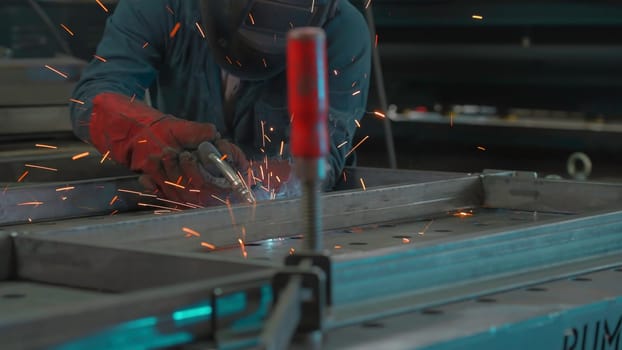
(481, 148)
(292, 251)
(462, 214)
(405, 240)
(357, 145)
(265, 63)
(64, 75)
(337, 246)
(218, 198)
(242, 247)
(451, 119)
(66, 29)
(281, 150)
(100, 58)
(23, 176)
(114, 199)
(175, 185)
(477, 17)
(104, 157)
(263, 133)
(252, 19)
(45, 146)
(40, 167)
(208, 245)
(191, 231)
(367, 4)
(380, 114)
(376, 41)
(200, 29)
(68, 188)
(356, 92)
(175, 30)
(145, 44)
(363, 184)
(80, 156)
(426, 227)
(358, 124)
(76, 101)
(192, 206)
(36, 204)
(102, 5)
(156, 206)
(342, 144)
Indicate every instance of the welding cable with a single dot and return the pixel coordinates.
(64, 45)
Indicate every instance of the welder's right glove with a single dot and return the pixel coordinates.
(150, 142)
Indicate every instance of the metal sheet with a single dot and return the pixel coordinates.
(545, 316)
(280, 218)
(117, 270)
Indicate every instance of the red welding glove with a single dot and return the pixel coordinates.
(150, 142)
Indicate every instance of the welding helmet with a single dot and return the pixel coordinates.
(248, 37)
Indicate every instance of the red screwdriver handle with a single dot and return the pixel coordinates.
(307, 88)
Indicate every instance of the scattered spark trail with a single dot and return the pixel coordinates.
(367, 4)
(161, 211)
(292, 251)
(356, 92)
(363, 184)
(265, 64)
(405, 240)
(40, 167)
(174, 185)
(175, 30)
(157, 206)
(23, 176)
(267, 138)
(36, 204)
(426, 227)
(337, 246)
(278, 179)
(451, 119)
(358, 124)
(224, 156)
(380, 114)
(281, 150)
(170, 10)
(481, 148)
(68, 188)
(104, 157)
(335, 72)
(133, 98)
(145, 44)
(218, 199)
(462, 214)
(200, 29)
(142, 141)
(129, 191)
(195, 191)
(66, 29)
(263, 134)
(357, 145)
(114, 212)
(102, 5)
(114, 199)
(231, 212)
(250, 16)
(342, 144)
(64, 75)
(243, 247)
(208, 245)
(76, 101)
(192, 206)
(191, 231)
(477, 17)
(80, 156)
(100, 58)
(40, 145)
(376, 41)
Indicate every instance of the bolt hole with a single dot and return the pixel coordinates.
(443, 230)
(13, 295)
(373, 325)
(402, 237)
(582, 279)
(358, 243)
(536, 289)
(432, 312)
(486, 300)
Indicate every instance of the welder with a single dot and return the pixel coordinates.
(171, 74)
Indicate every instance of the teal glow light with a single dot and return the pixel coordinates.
(194, 312)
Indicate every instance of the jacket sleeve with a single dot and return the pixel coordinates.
(127, 60)
(349, 62)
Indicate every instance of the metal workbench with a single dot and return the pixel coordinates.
(428, 260)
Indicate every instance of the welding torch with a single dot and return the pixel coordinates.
(209, 155)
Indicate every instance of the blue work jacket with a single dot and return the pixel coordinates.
(184, 80)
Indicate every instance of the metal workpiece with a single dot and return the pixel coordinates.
(561, 314)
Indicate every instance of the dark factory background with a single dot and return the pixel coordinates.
(530, 83)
